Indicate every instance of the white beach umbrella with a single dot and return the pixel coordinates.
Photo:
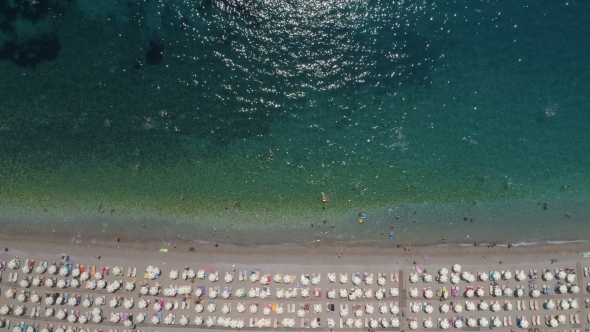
(483, 276)
(384, 322)
(458, 308)
(241, 308)
(210, 322)
(84, 276)
(35, 298)
(414, 292)
(343, 278)
(369, 309)
(169, 305)
(428, 323)
(183, 320)
(98, 318)
(280, 311)
(115, 318)
(17, 329)
(356, 280)
(98, 276)
(276, 278)
(19, 310)
(266, 311)
(154, 290)
(199, 308)
(21, 297)
(497, 322)
(49, 300)
(561, 319)
(252, 293)
(483, 306)
(61, 314)
(547, 276)
(443, 279)
(455, 279)
(394, 322)
(72, 301)
(212, 277)
(343, 292)
(86, 303)
(300, 313)
(458, 324)
(369, 293)
(64, 271)
(570, 278)
(373, 323)
(413, 277)
(520, 276)
(140, 317)
(428, 309)
(507, 275)
(168, 320)
(155, 320)
(127, 323)
(253, 308)
(495, 307)
(469, 293)
(394, 291)
(96, 312)
(574, 304)
(52, 269)
(444, 308)
(369, 280)
(428, 294)
(508, 306)
(471, 322)
(157, 306)
(101, 284)
(201, 274)
(304, 292)
(142, 304)
(565, 304)
(49, 312)
(413, 325)
(128, 304)
(456, 268)
(483, 322)
(381, 281)
(394, 310)
(443, 271)
(114, 303)
(225, 294)
(264, 294)
(508, 292)
(315, 280)
(379, 295)
(61, 283)
(496, 275)
(49, 282)
(191, 274)
(358, 292)
(173, 274)
(562, 289)
(228, 278)
(36, 281)
(26, 269)
(560, 275)
(444, 324)
(129, 286)
(465, 275)
(383, 308)
(74, 283)
(72, 318)
(40, 269)
(519, 292)
(480, 292)
(524, 323)
(553, 322)
(497, 292)
(331, 294)
(305, 282)
(352, 296)
(24, 283)
(427, 278)
(99, 300)
(349, 322)
(59, 300)
(575, 289)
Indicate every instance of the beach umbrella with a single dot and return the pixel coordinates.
(74, 283)
(454, 279)
(201, 274)
(331, 323)
(26, 269)
(520, 292)
(264, 280)
(483, 306)
(199, 308)
(497, 322)
(456, 268)
(428, 323)
(157, 306)
(561, 319)
(19, 310)
(252, 293)
(381, 281)
(495, 275)
(191, 274)
(127, 323)
(240, 324)
(96, 312)
(383, 308)
(85, 276)
(241, 308)
(128, 304)
(497, 292)
(49, 300)
(279, 310)
(72, 301)
(36, 281)
(483, 322)
(358, 292)
(413, 325)
(369, 293)
(59, 300)
(72, 318)
(305, 281)
(483, 276)
(225, 294)
(315, 280)
(49, 312)
(98, 276)
(369, 309)
(276, 278)
(168, 320)
(24, 283)
(40, 269)
(471, 278)
(369, 280)
(266, 311)
(520, 276)
(480, 292)
(300, 313)
(394, 310)
(394, 322)
(86, 303)
(524, 323)
(212, 293)
(379, 295)
(331, 294)
(154, 290)
(305, 292)
(560, 275)
(199, 292)
(469, 293)
(212, 277)
(64, 271)
(198, 320)
(144, 290)
(155, 320)
(428, 309)
(169, 305)
(49, 283)
(17, 329)
(428, 294)
(574, 289)
(343, 278)
(547, 276)
(356, 280)
(465, 275)
(253, 308)
(443, 271)
(553, 322)
(129, 286)
(562, 289)
(458, 324)
(574, 304)
(427, 278)
(21, 297)
(444, 324)
(331, 278)
(263, 294)
(59, 329)
(142, 304)
(413, 277)
(210, 322)
(349, 322)
(394, 291)
(444, 308)
(173, 274)
(458, 308)
(358, 313)
(35, 298)
(443, 279)
(115, 317)
(61, 283)
(61, 314)
(183, 320)
(414, 292)
(384, 323)
(101, 284)
(495, 307)
(471, 322)
(52, 269)
(507, 275)
(373, 323)
(508, 306)
(508, 292)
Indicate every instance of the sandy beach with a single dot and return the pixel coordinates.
(319, 260)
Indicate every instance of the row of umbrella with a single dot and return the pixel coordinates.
(374, 323)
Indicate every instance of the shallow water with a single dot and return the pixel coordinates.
(255, 111)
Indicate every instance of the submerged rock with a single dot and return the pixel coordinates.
(32, 51)
(155, 53)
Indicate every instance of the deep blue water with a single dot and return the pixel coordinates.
(199, 113)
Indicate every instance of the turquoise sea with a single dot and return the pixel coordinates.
(285, 121)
